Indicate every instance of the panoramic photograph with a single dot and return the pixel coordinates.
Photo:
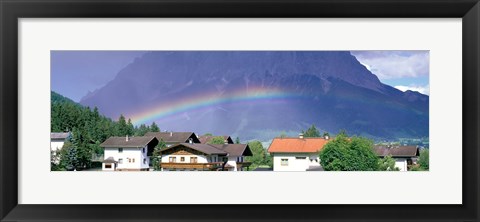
(115, 111)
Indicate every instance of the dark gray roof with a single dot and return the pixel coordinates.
(140, 141)
(234, 149)
(396, 151)
(109, 160)
(174, 137)
(59, 135)
(204, 148)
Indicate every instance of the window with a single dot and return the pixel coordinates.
(284, 162)
(108, 166)
(133, 160)
(182, 159)
(144, 160)
(129, 160)
(120, 150)
(120, 161)
(143, 150)
(300, 157)
(172, 159)
(193, 159)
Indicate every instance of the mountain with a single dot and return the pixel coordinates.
(258, 94)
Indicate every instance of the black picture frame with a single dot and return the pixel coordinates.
(11, 11)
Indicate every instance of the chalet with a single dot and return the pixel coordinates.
(172, 138)
(404, 156)
(57, 139)
(207, 139)
(205, 157)
(128, 153)
(297, 154)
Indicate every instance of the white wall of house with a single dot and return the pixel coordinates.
(56, 144)
(294, 161)
(232, 161)
(401, 163)
(129, 158)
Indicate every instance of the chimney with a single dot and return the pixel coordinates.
(171, 133)
(300, 135)
(126, 138)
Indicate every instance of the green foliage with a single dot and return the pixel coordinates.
(217, 140)
(154, 127)
(325, 134)
(89, 129)
(344, 154)
(424, 159)
(207, 134)
(387, 164)
(156, 157)
(260, 156)
(311, 132)
(142, 130)
(237, 140)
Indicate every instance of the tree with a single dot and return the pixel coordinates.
(141, 130)
(387, 164)
(154, 127)
(349, 154)
(208, 134)
(217, 140)
(423, 159)
(122, 128)
(325, 134)
(311, 132)
(237, 140)
(260, 156)
(156, 157)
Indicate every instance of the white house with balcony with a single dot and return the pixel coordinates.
(205, 157)
(128, 153)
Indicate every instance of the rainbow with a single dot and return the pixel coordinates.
(204, 101)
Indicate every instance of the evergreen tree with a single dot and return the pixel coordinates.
(311, 132)
(121, 126)
(154, 127)
(237, 140)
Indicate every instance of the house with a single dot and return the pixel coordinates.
(172, 138)
(128, 153)
(297, 154)
(207, 139)
(404, 156)
(57, 139)
(205, 157)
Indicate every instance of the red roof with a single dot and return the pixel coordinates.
(297, 145)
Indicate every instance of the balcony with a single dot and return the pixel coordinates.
(196, 166)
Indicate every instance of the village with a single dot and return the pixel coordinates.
(187, 151)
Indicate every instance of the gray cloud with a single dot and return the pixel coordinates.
(395, 64)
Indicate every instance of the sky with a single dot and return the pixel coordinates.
(90, 70)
